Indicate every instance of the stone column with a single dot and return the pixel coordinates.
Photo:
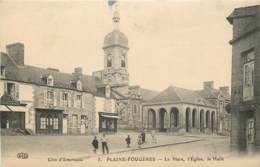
(167, 120)
(157, 118)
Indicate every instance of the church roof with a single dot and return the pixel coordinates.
(174, 94)
(33, 75)
(116, 38)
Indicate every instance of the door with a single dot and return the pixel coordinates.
(65, 124)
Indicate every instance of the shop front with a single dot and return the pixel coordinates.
(12, 113)
(49, 121)
(108, 122)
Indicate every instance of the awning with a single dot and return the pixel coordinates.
(7, 108)
(110, 116)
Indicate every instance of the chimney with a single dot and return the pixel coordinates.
(16, 51)
(208, 85)
(78, 70)
(77, 73)
(224, 89)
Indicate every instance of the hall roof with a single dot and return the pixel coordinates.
(148, 94)
(174, 94)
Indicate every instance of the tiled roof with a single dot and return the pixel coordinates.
(175, 94)
(31, 74)
(212, 93)
(148, 94)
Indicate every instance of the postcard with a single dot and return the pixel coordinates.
(129, 83)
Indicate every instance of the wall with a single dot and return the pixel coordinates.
(87, 109)
(240, 109)
(103, 104)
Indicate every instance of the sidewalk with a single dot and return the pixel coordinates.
(163, 140)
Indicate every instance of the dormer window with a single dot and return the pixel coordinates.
(2, 71)
(79, 85)
(50, 80)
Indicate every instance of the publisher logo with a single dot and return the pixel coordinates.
(22, 155)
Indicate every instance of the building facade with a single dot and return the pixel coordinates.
(49, 101)
(245, 87)
(180, 110)
(220, 98)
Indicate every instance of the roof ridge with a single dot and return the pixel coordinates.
(174, 87)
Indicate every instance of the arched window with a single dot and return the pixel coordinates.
(135, 108)
(123, 60)
(109, 61)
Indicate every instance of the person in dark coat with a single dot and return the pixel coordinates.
(143, 137)
(95, 144)
(128, 141)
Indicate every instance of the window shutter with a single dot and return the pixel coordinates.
(44, 97)
(75, 100)
(83, 102)
(61, 100)
(17, 91)
(72, 100)
(5, 87)
(69, 100)
(55, 98)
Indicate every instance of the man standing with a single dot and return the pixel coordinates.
(104, 144)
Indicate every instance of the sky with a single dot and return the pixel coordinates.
(172, 42)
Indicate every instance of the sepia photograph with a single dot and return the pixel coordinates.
(123, 83)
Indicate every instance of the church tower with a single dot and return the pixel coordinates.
(115, 56)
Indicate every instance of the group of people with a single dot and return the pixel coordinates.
(140, 141)
(104, 141)
(104, 144)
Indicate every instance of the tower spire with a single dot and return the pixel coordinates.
(116, 18)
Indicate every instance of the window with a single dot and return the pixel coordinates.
(74, 120)
(78, 100)
(250, 131)
(135, 108)
(50, 81)
(2, 70)
(50, 97)
(109, 61)
(65, 99)
(11, 89)
(55, 123)
(42, 123)
(123, 60)
(248, 76)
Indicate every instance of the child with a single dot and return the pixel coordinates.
(128, 141)
(95, 144)
(139, 141)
